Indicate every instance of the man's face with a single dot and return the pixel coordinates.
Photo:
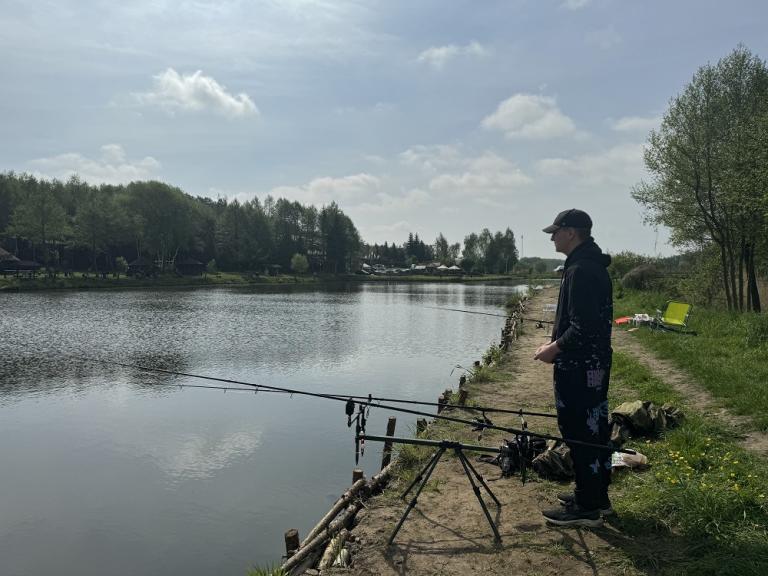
(562, 237)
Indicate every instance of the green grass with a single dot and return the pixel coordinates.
(727, 357)
(78, 282)
(702, 508)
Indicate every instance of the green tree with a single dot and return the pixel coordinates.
(707, 163)
(441, 249)
(299, 264)
(39, 216)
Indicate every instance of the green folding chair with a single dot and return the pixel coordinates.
(674, 318)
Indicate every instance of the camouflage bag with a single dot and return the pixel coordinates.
(555, 462)
(642, 418)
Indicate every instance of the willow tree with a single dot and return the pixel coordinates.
(707, 163)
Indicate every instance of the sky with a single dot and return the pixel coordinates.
(424, 116)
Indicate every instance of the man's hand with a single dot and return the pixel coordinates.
(547, 352)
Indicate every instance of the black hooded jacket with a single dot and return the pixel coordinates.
(584, 310)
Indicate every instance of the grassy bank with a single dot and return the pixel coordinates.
(79, 282)
(702, 507)
(727, 357)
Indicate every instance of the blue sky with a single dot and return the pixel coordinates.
(421, 116)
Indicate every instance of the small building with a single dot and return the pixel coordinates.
(8, 262)
(190, 267)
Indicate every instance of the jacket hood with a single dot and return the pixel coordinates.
(588, 250)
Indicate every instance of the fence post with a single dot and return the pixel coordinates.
(386, 455)
(291, 542)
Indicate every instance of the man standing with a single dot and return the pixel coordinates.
(581, 352)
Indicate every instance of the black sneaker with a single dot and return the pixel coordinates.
(566, 499)
(573, 516)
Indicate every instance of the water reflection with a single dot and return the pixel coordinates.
(130, 460)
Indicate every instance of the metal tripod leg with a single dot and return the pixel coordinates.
(479, 477)
(424, 475)
(476, 489)
(426, 470)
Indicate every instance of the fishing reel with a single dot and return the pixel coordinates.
(480, 423)
(359, 419)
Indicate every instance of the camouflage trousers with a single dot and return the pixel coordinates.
(581, 398)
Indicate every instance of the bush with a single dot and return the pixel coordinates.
(641, 277)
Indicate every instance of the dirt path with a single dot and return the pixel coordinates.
(696, 396)
(447, 532)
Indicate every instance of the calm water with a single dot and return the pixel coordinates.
(110, 471)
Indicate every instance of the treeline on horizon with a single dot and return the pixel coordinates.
(73, 225)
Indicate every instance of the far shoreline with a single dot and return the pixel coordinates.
(237, 280)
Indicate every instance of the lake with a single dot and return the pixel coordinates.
(107, 470)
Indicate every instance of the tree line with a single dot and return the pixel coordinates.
(74, 225)
(709, 173)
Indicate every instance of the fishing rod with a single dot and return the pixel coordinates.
(363, 408)
(538, 321)
(256, 388)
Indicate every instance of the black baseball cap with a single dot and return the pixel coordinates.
(572, 218)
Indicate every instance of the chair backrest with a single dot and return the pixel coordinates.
(676, 313)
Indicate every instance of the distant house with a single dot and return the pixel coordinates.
(142, 267)
(190, 267)
(8, 262)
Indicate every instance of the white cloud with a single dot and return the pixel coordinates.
(174, 92)
(605, 38)
(438, 56)
(348, 190)
(529, 116)
(393, 204)
(621, 166)
(481, 178)
(430, 158)
(112, 167)
(576, 4)
(636, 123)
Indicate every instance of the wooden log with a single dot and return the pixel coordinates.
(311, 546)
(386, 455)
(333, 549)
(343, 501)
(375, 483)
(291, 542)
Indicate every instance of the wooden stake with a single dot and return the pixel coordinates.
(291, 542)
(386, 455)
(357, 474)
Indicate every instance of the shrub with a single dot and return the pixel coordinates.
(757, 330)
(641, 277)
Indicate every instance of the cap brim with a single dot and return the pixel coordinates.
(551, 228)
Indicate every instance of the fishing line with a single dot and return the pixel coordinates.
(538, 321)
